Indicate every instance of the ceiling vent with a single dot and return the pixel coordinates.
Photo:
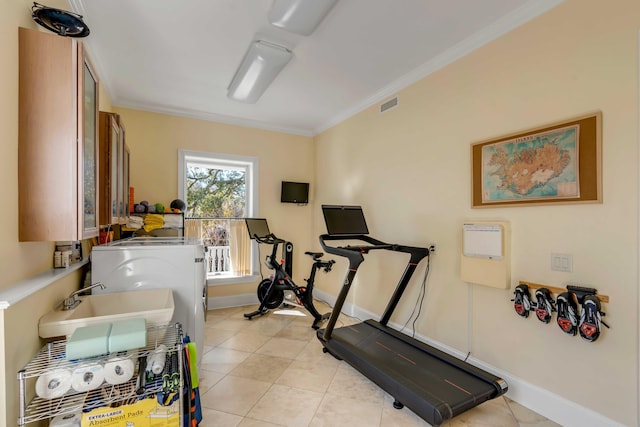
(392, 103)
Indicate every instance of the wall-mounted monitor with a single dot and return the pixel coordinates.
(294, 192)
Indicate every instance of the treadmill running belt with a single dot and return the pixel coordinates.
(433, 384)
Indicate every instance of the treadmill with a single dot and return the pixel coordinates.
(432, 383)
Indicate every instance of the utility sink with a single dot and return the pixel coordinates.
(154, 305)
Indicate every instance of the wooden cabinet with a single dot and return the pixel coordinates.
(58, 140)
(114, 170)
(110, 145)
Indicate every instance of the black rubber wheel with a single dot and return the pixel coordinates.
(276, 297)
(397, 405)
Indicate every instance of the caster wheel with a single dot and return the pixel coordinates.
(397, 405)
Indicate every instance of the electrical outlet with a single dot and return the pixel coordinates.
(562, 262)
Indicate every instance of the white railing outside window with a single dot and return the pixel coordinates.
(227, 244)
(218, 261)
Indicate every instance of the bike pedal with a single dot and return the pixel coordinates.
(567, 309)
(545, 305)
(522, 300)
(590, 318)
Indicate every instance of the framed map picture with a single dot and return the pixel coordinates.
(559, 163)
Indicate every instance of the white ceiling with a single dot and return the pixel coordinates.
(178, 57)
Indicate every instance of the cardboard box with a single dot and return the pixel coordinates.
(143, 413)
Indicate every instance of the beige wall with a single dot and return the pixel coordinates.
(17, 260)
(154, 141)
(409, 168)
(22, 342)
(19, 339)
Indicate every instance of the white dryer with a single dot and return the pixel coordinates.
(158, 262)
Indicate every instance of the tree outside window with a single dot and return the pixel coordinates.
(218, 192)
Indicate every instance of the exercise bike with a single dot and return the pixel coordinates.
(271, 291)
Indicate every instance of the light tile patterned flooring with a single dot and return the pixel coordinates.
(271, 371)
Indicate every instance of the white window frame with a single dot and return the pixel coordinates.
(212, 160)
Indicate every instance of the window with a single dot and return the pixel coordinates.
(220, 190)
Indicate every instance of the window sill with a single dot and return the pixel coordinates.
(231, 280)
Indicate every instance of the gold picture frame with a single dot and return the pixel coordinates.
(556, 163)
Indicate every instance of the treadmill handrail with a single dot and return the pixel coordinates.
(417, 253)
(355, 257)
(352, 253)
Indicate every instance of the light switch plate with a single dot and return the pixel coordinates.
(562, 262)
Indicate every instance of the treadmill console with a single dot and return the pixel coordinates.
(344, 220)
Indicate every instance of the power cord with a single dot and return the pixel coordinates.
(419, 301)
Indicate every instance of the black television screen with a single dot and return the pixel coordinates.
(344, 220)
(257, 227)
(294, 192)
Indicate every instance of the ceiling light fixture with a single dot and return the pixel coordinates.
(261, 64)
(299, 16)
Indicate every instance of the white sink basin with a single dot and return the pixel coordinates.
(154, 305)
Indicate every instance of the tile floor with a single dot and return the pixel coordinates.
(271, 371)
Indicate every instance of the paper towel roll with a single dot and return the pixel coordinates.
(87, 377)
(53, 384)
(68, 420)
(155, 363)
(118, 370)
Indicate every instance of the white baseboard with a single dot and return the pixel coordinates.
(550, 405)
(232, 301)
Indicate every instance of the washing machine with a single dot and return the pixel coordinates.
(158, 262)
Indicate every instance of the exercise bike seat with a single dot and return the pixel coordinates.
(316, 255)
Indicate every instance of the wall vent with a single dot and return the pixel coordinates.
(389, 104)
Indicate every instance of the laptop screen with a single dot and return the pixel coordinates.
(344, 220)
(257, 227)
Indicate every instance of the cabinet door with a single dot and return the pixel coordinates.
(122, 212)
(58, 100)
(126, 182)
(89, 148)
(114, 154)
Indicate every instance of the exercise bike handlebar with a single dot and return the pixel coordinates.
(269, 239)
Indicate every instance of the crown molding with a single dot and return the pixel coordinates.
(509, 22)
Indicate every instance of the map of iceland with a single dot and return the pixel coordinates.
(537, 166)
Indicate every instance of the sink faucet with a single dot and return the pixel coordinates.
(72, 302)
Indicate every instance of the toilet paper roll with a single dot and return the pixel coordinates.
(118, 370)
(87, 377)
(68, 420)
(53, 384)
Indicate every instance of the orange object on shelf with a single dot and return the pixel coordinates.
(131, 200)
(105, 237)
